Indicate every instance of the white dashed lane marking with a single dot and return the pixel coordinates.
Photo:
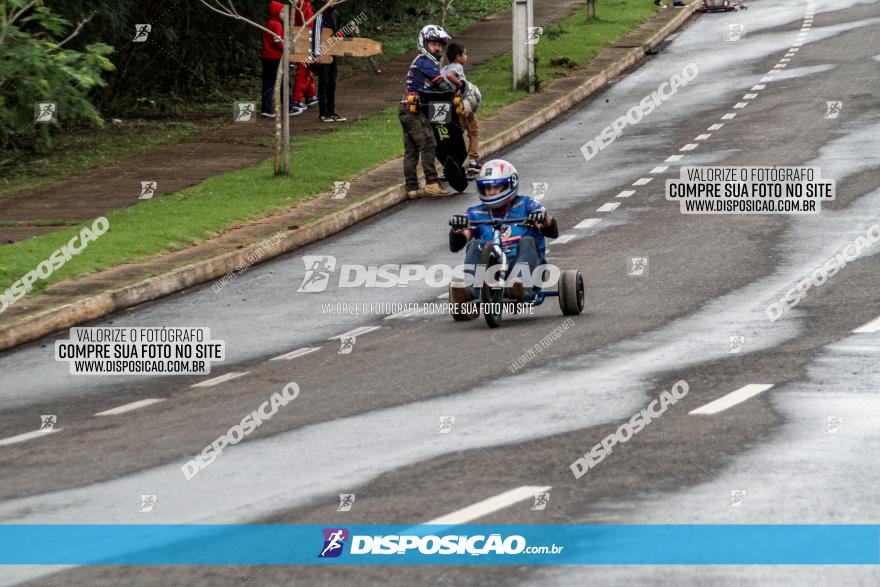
(588, 222)
(562, 239)
(625, 194)
(703, 137)
(674, 158)
(715, 126)
(443, 296)
(758, 87)
(490, 505)
(130, 407)
(689, 147)
(608, 207)
(355, 332)
(28, 436)
(872, 326)
(740, 104)
(750, 96)
(221, 379)
(660, 169)
(733, 398)
(643, 181)
(296, 353)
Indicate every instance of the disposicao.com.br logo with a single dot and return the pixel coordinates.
(431, 544)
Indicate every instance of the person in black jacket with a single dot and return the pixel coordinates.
(327, 72)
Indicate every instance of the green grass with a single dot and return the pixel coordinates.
(183, 218)
(78, 150)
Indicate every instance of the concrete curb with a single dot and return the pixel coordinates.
(35, 326)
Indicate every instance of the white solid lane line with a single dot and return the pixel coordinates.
(643, 181)
(733, 398)
(872, 326)
(131, 407)
(608, 207)
(674, 158)
(28, 436)
(588, 222)
(490, 505)
(355, 332)
(296, 353)
(221, 379)
(625, 194)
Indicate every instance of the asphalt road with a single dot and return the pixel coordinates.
(368, 422)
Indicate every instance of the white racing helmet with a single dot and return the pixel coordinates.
(432, 32)
(501, 173)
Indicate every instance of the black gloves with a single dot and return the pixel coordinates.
(538, 217)
(458, 222)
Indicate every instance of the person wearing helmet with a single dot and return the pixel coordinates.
(498, 184)
(418, 136)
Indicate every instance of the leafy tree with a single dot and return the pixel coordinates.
(35, 66)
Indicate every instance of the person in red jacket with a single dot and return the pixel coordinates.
(304, 91)
(271, 58)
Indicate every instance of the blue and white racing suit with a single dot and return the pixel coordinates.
(522, 244)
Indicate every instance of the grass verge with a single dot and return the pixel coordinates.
(186, 217)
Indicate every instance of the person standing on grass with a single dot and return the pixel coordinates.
(453, 72)
(327, 72)
(304, 92)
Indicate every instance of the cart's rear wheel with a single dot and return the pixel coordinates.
(571, 292)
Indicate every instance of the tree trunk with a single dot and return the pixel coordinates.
(277, 104)
(285, 64)
(591, 9)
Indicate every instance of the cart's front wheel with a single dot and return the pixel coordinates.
(491, 294)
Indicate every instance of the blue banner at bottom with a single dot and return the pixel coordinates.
(454, 545)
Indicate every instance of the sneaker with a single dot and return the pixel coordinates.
(338, 118)
(414, 194)
(300, 105)
(679, 4)
(294, 111)
(435, 190)
(474, 166)
(328, 119)
(312, 101)
(268, 114)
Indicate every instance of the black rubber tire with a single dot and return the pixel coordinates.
(456, 176)
(571, 292)
(460, 295)
(489, 294)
